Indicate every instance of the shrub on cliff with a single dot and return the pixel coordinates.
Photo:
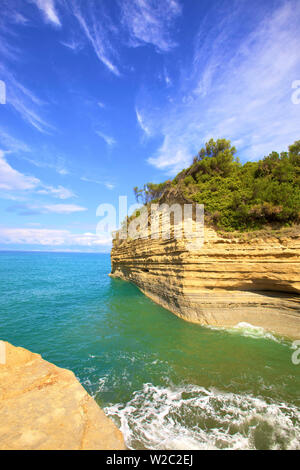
(236, 196)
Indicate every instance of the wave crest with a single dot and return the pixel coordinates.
(192, 417)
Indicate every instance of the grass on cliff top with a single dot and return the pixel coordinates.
(237, 197)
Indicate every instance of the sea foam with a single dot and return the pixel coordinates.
(193, 417)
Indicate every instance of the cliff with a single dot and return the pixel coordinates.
(228, 281)
(45, 407)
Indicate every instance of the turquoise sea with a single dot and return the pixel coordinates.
(166, 383)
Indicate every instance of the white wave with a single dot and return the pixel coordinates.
(192, 417)
(250, 331)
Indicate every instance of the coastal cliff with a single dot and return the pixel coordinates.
(44, 407)
(228, 281)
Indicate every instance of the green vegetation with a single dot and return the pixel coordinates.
(235, 196)
(150, 192)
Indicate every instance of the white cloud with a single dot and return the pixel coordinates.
(90, 180)
(149, 21)
(46, 160)
(25, 102)
(48, 9)
(109, 140)
(13, 180)
(94, 24)
(63, 208)
(141, 123)
(73, 45)
(32, 209)
(144, 21)
(109, 186)
(237, 87)
(59, 192)
(50, 237)
(11, 143)
(18, 96)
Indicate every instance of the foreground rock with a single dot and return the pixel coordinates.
(45, 407)
(227, 282)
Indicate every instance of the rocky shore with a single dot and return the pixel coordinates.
(44, 407)
(228, 281)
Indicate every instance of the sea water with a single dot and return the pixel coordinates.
(166, 383)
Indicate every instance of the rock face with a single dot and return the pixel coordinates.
(45, 407)
(227, 281)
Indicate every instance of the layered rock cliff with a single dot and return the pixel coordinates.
(227, 281)
(45, 407)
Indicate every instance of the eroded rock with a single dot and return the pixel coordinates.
(226, 282)
(44, 407)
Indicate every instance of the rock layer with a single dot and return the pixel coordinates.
(44, 407)
(227, 281)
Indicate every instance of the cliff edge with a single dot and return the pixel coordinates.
(228, 281)
(44, 407)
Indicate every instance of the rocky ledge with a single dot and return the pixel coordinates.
(227, 281)
(45, 407)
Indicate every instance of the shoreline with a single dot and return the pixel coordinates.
(249, 315)
(228, 281)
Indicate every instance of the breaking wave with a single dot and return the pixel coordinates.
(192, 417)
(251, 331)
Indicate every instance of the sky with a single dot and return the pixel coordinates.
(105, 95)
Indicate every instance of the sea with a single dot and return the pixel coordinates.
(166, 383)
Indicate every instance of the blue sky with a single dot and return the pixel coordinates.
(102, 96)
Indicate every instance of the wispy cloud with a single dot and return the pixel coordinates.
(108, 139)
(13, 180)
(141, 123)
(149, 21)
(26, 103)
(64, 208)
(48, 157)
(11, 144)
(72, 44)
(235, 88)
(49, 11)
(108, 185)
(54, 163)
(90, 180)
(94, 23)
(60, 192)
(33, 209)
(50, 237)
(18, 96)
(135, 23)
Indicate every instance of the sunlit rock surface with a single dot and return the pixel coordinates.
(45, 407)
(227, 281)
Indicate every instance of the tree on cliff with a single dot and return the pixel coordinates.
(236, 196)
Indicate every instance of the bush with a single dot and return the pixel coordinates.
(235, 196)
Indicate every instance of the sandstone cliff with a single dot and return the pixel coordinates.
(228, 281)
(45, 407)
